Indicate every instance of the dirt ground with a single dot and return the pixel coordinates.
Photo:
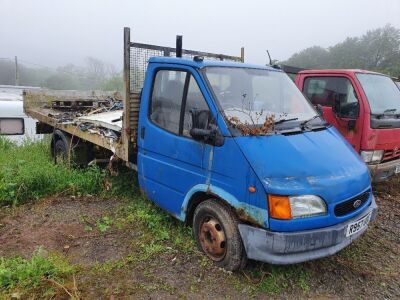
(113, 265)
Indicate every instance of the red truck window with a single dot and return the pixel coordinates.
(323, 90)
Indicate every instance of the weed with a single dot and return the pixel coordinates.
(275, 279)
(28, 172)
(104, 223)
(24, 275)
(150, 250)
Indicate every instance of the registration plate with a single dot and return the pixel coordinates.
(397, 170)
(357, 226)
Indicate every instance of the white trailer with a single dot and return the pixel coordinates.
(15, 125)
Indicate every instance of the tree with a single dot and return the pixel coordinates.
(115, 83)
(61, 81)
(346, 54)
(377, 50)
(313, 57)
(380, 48)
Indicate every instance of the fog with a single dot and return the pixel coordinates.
(53, 33)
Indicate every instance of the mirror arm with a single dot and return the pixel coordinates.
(351, 125)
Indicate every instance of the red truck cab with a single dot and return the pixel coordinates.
(364, 107)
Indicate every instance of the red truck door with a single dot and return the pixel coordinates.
(327, 91)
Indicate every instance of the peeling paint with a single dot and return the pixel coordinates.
(246, 212)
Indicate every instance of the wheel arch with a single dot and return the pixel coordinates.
(199, 193)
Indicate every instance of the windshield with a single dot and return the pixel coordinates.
(382, 93)
(255, 95)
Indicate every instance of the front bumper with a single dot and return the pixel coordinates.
(284, 248)
(383, 171)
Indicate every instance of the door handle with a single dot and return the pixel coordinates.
(142, 132)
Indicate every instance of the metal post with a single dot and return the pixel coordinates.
(16, 71)
(242, 54)
(126, 132)
(178, 46)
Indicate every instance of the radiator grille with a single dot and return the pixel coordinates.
(351, 205)
(391, 155)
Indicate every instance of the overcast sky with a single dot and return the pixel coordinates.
(55, 32)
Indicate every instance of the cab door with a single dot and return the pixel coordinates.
(170, 162)
(328, 90)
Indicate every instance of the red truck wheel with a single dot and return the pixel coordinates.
(217, 235)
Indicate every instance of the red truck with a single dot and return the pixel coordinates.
(364, 107)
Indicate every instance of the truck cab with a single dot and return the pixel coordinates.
(364, 107)
(288, 192)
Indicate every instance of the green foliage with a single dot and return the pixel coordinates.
(22, 273)
(104, 223)
(115, 83)
(275, 279)
(62, 81)
(161, 225)
(28, 172)
(309, 58)
(93, 75)
(377, 50)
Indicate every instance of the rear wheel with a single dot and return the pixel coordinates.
(70, 151)
(61, 152)
(217, 235)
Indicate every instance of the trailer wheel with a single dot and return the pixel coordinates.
(60, 152)
(217, 235)
(79, 155)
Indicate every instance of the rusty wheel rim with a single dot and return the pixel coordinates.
(212, 238)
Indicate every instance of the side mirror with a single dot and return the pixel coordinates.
(204, 129)
(345, 110)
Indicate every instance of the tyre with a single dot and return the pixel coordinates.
(217, 235)
(75, 154)
(61, 152)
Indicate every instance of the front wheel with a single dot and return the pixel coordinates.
(217, 235)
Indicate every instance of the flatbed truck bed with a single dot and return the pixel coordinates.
(94, 117)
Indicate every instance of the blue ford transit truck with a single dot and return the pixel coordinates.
(232, 149)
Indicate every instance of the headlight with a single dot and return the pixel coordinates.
(292, 207)
(372, 156)
(307, 206)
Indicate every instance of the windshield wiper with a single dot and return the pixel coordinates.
(304, 124)
(393, 110)
(285, 120)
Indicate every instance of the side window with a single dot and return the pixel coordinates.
(194, 100)
(166, 99)
(12, 126)
(324, 90)
(330, 91)
(315, 90)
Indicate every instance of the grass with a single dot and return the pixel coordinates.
(28, 172)
(43, 272)
(269, 279)
(161, 227)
